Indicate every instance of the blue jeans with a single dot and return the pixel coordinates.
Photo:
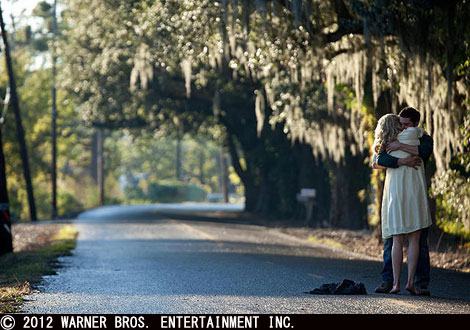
(422, 269)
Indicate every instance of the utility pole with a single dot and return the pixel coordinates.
(201, 165)
(100, 163)
(54, 112)
(179, 172)
(18, 121)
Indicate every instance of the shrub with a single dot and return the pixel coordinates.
(68, 204)
(167, 192)
(452, 190)
(171, 192)
(452, 193)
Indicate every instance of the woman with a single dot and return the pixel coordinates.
(405, 208)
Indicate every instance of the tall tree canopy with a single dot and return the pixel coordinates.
(282, 77)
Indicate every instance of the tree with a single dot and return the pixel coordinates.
(18, 121)
(280, 77)
(6, 241)
(54, 112)
(33, 81)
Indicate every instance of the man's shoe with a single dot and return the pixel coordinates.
(385, 287)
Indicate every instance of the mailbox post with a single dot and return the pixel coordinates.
(307, 197)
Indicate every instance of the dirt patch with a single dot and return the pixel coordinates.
(36, 249)
(29, 237)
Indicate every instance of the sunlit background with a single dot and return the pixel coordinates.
(235, 101)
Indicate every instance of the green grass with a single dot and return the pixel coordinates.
(22, 269)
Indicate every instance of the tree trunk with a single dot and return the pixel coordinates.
(251, 193)
(224, 175)
(271, 176)
(271, 180)
(278, 173)
(6, 241)
(251, 190)
(54, 115)
(19, 124)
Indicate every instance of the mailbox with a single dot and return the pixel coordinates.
(307, 197)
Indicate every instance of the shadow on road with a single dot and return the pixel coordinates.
(220, 213)
(206, 267)
(233, 265)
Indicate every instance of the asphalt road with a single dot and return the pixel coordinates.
(131, 260)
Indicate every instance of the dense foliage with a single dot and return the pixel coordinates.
(291, 88)
(152, 153)
(452, 189)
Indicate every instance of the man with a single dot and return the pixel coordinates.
(409, 117)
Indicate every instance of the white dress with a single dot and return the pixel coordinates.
(405, 206)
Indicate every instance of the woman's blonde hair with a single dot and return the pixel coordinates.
(387, 130)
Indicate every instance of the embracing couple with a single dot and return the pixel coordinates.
(401, 147)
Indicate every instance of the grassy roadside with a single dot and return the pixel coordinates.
(22, 269)
(331, 243)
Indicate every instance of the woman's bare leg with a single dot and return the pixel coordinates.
(413, 254)
(397, 260)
